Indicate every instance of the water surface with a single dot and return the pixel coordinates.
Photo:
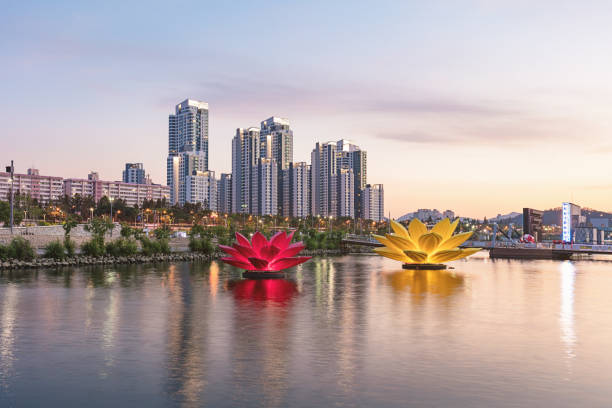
(346, 331)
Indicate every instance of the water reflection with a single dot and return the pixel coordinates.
(566, 313)
(186, 352)
(276, 290)
(7, 335)
(262, 335)
(419, 282)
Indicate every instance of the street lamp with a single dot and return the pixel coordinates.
(111, 213)
(91, 213)
(11, 180)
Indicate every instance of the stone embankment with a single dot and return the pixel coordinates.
(105, 260)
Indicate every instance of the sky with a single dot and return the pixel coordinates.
(482, 107)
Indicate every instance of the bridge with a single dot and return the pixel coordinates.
(509, 249)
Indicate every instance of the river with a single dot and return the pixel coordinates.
(354, 330)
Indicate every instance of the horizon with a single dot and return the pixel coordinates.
(478, 124)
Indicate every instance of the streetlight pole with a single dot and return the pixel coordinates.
(111, 214)
(12, 197)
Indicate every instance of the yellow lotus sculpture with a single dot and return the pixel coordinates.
(416, 245)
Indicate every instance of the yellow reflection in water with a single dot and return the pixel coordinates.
(418, 282)
(213, 279)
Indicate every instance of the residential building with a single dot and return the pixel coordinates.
(373, 202)
(346, 193)
(297, 185)
(201, 187)
(324, 194)
(133, 194)
(225, 193)
(276, 142)
(134, 173)
(37, 187)
(266, 187)
(187, 138)
(245, 159)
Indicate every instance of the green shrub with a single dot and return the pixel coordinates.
(126, 230)
(162, 232)
(70, 247)
(157, 246)
(4, 252)
(203, 245)
(121, 247)
(55, 250)
(93, 247)
(20, 248)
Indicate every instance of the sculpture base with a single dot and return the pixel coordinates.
(424, 266)
(263, 274)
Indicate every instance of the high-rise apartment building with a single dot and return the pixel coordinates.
(187, 146)
(225, 193)
(265, 187)
(201, 187)
(296, 195)
(333, 165)
(276, 142)
(134, 173)
(245, 158)
(346, 193)
(350, 156)
(324, 194)
(373, 202)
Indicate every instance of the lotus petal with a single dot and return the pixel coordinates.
(258, 242)
(234, 253)
(259, 264)
(400, 242)
(455, 241)
(467, 252)
(289, 238)
(246, 251)
(443, 228)
(395, 255)
(399, 229)
(385, 241)
(416, 256)
(269, 252)
(429, 242)
(445, 255)
(242, 240)
(290, 251)
(278, 240)
(416, 229)
(238, 264)
(453, 227)
(284, 263)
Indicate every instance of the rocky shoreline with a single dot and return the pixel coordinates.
(133, 259)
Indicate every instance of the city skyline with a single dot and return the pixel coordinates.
(511, 119)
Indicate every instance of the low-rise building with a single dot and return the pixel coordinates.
(40, 188)
(133, 194)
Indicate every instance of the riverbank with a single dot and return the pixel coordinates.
(41, 262)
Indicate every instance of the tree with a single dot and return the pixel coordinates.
(5, 214)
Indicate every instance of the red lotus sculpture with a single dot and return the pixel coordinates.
(262, 257)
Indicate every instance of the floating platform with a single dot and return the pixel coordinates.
(424, 266)
(529, 253)
(263, 274)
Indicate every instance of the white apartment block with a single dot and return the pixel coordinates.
(373, 202)
(201, 187)
(346, 193)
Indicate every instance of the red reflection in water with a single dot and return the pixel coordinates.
(277, 290)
